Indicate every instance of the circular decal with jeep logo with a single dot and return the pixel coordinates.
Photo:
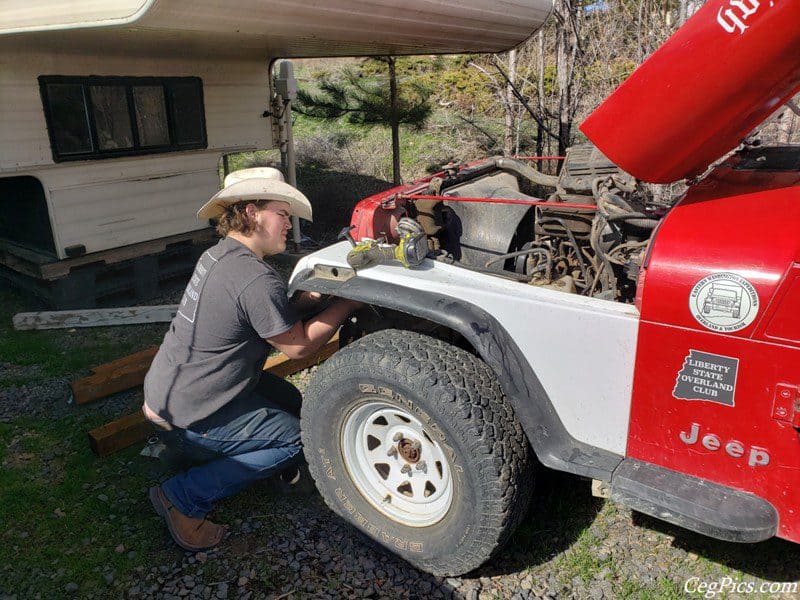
(724, 302)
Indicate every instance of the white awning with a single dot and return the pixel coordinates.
(273, 28)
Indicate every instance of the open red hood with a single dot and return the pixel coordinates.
(725, 71)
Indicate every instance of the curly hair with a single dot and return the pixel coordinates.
(235, 217)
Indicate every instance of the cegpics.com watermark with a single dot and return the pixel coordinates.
(727, 585)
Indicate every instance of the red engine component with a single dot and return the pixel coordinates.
(376, 216)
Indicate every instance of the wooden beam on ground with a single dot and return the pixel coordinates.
(119, 434)
(95, 317)
(129, 371)
(133, 428)
(113, 377)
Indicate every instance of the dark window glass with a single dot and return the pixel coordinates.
(151, 115)
(187, 113)
(104, 117)
(68, 118)
(111, 117)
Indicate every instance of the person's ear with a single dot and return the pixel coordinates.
(250, 209)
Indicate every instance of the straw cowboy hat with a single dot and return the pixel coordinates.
(260, 183)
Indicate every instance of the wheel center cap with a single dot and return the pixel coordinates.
(410, 450)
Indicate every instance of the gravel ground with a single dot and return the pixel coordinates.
(570, 544)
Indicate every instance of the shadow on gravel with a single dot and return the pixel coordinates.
(772, 560)
(562, 507)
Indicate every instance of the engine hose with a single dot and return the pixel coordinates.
(573, 242)
(605, 268)
(607, 200)
(523, 253)
(640, 220)
(609, 203)
(514, 166)
(626, 247)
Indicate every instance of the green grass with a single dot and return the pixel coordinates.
(62, 510)
(664, 589)
(65, 511)
(58, 352)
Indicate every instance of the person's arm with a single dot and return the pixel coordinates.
(306, 302)
(306, 337)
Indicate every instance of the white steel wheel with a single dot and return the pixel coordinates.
(396, 465)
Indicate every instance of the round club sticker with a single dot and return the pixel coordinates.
(724, 302)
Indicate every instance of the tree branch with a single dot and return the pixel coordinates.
(524, 102)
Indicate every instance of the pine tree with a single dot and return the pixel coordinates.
(370, 100)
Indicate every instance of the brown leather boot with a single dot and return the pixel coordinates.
(189, 533)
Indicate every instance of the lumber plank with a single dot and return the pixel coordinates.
(95, 317)
(113, 377)
(129, 371)
(119, 434)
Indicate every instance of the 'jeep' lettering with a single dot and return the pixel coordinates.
(733, 18)
(756, 456)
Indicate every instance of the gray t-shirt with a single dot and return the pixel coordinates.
(214, 350)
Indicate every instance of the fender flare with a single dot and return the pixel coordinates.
(551, 442)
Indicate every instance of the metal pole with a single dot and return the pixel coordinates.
(286, 87)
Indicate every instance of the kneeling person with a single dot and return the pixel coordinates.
(206, 383)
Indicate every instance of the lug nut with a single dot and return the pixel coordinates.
(422, 466)
(406, 469)
(416, 445)
(392, 451)
(397, 436)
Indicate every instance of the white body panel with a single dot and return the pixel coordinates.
(582, 349)
(114, 202)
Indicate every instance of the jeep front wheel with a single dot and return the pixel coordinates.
(411, 440)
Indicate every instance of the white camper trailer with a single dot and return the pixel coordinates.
(114, 115)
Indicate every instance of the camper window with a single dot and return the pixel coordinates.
(151, 115)
(111, 117)
(69, 119)
(105, 117)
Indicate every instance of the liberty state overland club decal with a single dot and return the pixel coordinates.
(706, 376)
(724, 302)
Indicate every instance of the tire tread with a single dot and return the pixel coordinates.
(466, 393)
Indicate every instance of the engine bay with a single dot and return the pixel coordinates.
(584, 231)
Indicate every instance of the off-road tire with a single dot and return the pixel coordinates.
(456, 398)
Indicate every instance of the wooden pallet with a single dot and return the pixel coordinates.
(129, 371)
(128, 275)
(44, 265)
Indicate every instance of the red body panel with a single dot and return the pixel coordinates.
(728, 68)
(746, 223)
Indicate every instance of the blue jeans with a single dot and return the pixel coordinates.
(249, 439)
